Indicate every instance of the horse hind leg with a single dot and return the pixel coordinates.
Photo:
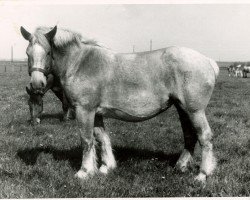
(190, 139)
(106, 155)
(195, 126)
(204, 133)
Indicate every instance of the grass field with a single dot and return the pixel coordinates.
(41, 161)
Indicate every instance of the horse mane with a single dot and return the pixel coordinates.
(63, 37)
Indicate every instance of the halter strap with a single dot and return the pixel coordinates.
(45, 72)
(37, 69)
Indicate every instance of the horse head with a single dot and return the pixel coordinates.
(39, 52)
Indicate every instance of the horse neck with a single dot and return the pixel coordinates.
(67, 60)
(64, 58)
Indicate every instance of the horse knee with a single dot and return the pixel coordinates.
(203, 130)
(87, 144)
(205, 137)
(98, 133)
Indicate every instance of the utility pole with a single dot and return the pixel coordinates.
(13, 68)
(150, 45)
(12, 53)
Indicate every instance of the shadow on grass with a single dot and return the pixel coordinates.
(52, 116)
(122, 154)
(30, 155)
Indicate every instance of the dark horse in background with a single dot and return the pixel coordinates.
(130, 87)
(36, 98)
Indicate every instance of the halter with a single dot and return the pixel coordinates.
(44, 71)
(37, 69)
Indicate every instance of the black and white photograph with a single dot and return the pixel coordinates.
(124, 99)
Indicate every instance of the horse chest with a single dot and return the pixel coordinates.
(82, 91)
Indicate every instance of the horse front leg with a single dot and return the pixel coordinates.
(107, 158)
(68, 111)
(85, 120)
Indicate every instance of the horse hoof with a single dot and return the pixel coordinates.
(35, 121)
(201, 179)
(81, 175)
(103, 169)
(181, 168)
(65, 119)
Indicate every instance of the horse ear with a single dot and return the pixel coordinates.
(25, 33)
(50, 35)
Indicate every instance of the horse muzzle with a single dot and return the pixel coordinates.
(38, 82)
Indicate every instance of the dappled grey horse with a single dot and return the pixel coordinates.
(131, 87)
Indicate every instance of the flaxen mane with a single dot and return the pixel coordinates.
(63, 38)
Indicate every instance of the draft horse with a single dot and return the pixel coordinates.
(131, 87)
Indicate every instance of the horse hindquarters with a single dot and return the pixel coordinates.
(193, 89)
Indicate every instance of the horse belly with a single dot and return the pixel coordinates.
(134, 107)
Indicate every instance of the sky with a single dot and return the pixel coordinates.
(219, 31)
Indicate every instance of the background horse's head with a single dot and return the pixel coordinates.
(39, 57)
(35, 105)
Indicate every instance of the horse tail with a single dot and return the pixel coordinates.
(215, 67)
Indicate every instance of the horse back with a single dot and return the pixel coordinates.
(145, 83)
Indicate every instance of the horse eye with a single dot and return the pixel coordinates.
(48, 54)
